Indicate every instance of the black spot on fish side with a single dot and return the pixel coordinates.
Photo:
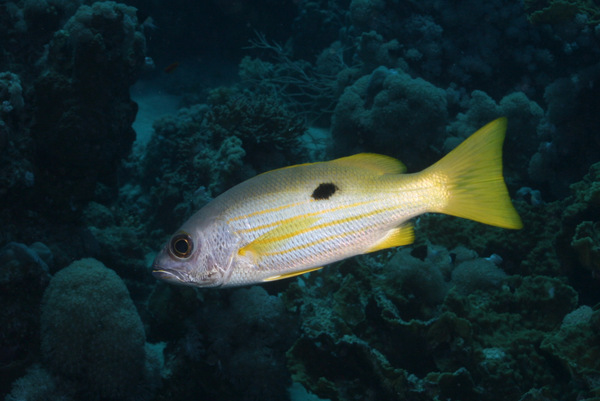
(324, 191)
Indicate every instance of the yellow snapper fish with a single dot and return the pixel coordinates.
(297, 219)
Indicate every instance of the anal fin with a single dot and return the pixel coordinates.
(292, 274)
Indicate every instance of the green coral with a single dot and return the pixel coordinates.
(586, 243)
(557, 11)
(409, 337)
(508, 325)
(586, 194)
(349, 304)
(579, 238)
(577, 347)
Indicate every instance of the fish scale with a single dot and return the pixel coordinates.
(346, 206)
(297, 219)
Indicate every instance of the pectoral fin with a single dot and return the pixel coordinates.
(276, 238)
(292, 274)
(398, 236)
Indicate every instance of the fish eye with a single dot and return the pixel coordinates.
(181, 246)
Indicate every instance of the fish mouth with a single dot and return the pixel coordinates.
(170, 275)
(174, 276)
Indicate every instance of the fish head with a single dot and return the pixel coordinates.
(195, 257)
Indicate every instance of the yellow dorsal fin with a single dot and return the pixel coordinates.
(276, 238)
(472, 181)
(398, 236)
(378, 164)
(292, 274)
(372, 162)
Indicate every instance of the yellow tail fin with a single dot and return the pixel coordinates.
(473, 179)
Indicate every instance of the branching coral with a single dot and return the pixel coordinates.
(306, 88)
(263, 123)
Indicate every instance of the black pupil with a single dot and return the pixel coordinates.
(181, 246)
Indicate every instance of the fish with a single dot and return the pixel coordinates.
(171, 67)
(300, 218)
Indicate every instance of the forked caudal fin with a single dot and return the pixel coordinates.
(473, 181)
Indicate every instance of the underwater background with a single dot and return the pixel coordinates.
(119, 120)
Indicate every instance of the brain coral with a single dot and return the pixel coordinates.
(91, 332)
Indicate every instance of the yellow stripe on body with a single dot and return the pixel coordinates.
(312, 243)
(293, 218)
(347, 220)
(282, 238)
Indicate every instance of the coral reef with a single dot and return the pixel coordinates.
(236, 340)
(387, 109)
(524, 116)
(565, 137)
(459, 345)
(92, 61)
(91, 333)
(558, 11)
(263, 124)
(575, 346)
(478, 274)
(24, 275)
(37, 385)
(183, 166)
(206, 149)
(16, 170)
(586, 242)
(250, 337)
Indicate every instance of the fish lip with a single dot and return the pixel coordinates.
(178, 277)
(170, 275)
